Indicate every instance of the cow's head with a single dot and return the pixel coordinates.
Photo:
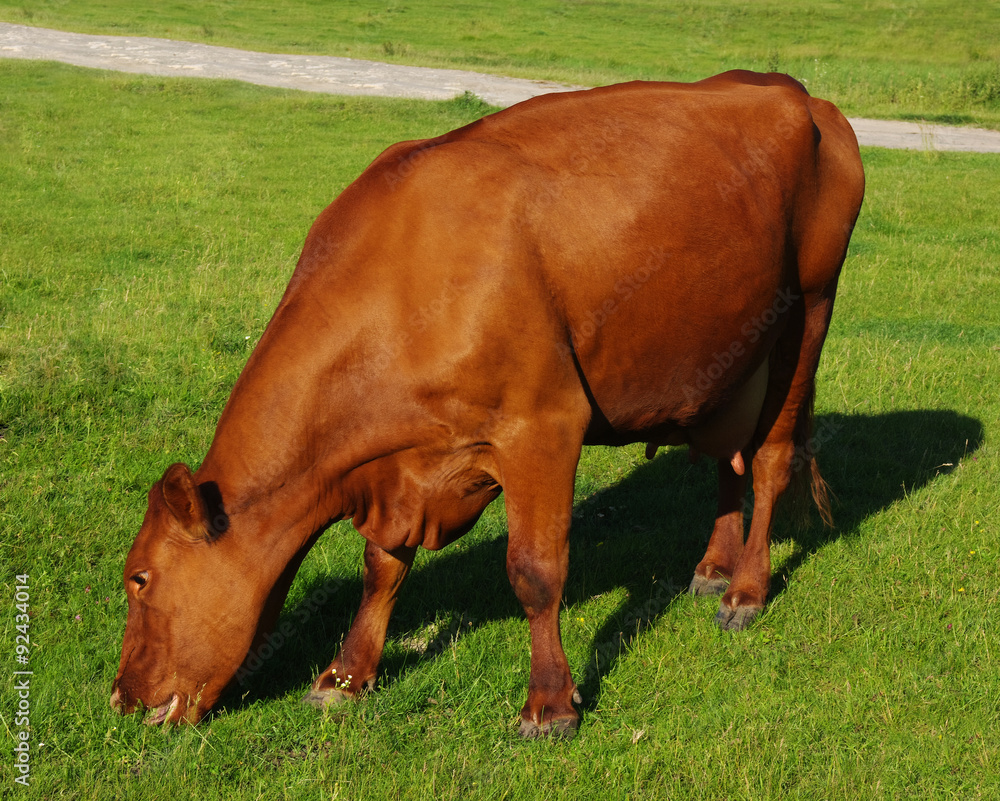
(195, 601)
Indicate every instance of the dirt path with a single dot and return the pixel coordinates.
(346, 76)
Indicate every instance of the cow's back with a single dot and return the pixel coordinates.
(633, 231)
(637, 229)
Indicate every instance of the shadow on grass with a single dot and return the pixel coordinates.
(644, 534)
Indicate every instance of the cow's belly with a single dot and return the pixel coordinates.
(718, 426)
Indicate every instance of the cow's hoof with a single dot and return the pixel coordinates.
(704, 586)
(736, 619)
(321, 699)
(557, 729)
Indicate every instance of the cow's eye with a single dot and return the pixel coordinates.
(140, 579)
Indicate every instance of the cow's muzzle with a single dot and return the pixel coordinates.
(160, 714)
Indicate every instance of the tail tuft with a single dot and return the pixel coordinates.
(806, 478)
(820, 494)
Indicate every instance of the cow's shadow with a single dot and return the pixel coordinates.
(643, 535)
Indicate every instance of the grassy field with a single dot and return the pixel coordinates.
(149, 227)
(928, 59)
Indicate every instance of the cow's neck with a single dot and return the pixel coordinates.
(317, 405)
(284, 476)
(275, 454)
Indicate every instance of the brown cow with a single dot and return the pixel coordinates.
(650, 262)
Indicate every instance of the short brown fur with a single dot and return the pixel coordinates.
(650, 262)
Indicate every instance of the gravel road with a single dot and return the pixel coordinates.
(347, 76)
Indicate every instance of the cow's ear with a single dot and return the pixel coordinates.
(184, 501)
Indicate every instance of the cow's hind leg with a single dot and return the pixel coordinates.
(355, 667)
(713, 573)
(785, 429)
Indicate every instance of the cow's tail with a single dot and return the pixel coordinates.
(806, 478)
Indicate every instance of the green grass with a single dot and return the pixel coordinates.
(930, 59)
(149, 227)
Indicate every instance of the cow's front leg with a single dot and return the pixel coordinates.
(538, 516)
(537, 565)
(355, 667)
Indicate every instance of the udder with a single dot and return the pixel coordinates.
(728, 430)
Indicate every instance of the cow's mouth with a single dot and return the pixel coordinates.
(163, 712)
